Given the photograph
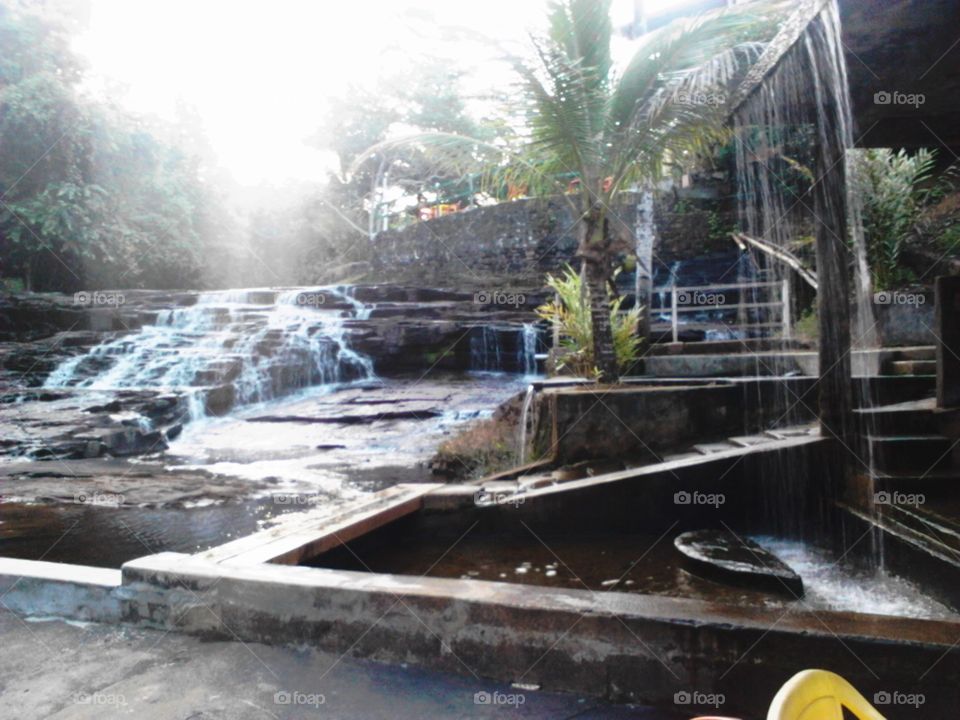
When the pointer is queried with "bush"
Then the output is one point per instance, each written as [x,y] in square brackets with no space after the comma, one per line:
[571,311]
[482,448]
[891,187]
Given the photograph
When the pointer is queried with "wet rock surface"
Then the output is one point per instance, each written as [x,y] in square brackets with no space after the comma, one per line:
[222,477]
[72,424]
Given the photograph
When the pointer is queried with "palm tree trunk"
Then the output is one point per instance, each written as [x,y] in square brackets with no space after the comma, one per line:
[603,354]
[593,251]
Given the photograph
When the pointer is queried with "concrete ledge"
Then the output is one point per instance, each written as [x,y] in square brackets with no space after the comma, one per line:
[615,645]
[75,592]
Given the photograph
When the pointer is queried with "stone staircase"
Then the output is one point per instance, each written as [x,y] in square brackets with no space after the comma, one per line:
[913,451]
[907,449]
[919,360]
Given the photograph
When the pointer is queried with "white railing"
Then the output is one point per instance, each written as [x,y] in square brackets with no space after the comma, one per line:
[700,298]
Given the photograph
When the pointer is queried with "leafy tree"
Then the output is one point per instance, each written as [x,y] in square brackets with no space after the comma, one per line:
[88,194]
[615,131]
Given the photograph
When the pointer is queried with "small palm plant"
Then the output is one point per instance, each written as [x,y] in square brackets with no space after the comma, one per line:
[614,130]
[891,187]
[570,313]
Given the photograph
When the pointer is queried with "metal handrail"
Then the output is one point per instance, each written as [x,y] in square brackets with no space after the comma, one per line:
[783,303]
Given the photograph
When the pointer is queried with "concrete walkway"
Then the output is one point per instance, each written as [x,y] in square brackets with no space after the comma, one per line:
[52,669]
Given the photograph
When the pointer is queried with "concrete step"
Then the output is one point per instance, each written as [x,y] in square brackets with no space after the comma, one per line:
[906,454]
[912,367]
[919,352]
[889,389]
[710,448]
[908,418]
[935,484]
[938,534]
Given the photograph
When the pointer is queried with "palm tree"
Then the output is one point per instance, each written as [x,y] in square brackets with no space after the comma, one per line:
[615,131]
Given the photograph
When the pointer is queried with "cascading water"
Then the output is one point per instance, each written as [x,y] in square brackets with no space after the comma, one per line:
[231,348]
[664,294]
[505,349]
[528,350]
[524,421]
[793,131]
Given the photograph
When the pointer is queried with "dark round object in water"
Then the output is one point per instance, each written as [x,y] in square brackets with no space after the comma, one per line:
[722,556]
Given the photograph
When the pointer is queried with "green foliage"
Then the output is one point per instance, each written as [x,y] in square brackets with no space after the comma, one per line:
[571,312]
[808,326]
[89,196]
[891,185]
[949,239]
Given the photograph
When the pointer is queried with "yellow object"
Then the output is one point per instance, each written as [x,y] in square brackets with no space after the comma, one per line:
[819,695]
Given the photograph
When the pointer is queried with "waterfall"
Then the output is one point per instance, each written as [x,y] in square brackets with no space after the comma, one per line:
[485,350]
[507,348]
[792,134]
[664,294]
[528,350]
[231,348]
[524,420]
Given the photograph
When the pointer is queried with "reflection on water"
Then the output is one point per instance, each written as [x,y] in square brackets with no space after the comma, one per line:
[625,562]
[107,537]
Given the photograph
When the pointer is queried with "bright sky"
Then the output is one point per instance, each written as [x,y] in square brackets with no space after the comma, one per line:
[260,72]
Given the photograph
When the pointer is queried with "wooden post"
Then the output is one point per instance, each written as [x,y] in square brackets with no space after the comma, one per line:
[948,341]
[833,301]
[785,299]
[673,314]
